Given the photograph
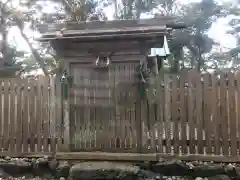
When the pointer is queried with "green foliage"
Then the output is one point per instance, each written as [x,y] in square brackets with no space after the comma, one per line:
[199,17]
[191,46]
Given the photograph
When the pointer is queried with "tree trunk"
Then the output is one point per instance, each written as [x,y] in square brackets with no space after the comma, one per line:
[34,52]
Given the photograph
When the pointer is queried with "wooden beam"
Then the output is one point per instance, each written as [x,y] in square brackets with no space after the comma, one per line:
[94,38]
[131,157]
[103,156]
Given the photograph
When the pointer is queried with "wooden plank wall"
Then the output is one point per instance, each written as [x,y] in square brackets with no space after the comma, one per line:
[28,115]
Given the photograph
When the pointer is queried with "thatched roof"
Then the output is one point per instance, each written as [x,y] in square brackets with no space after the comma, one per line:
[97,30]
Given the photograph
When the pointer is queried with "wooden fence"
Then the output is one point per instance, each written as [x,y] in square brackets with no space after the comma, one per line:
[28,115]
[190,114]
[197,114]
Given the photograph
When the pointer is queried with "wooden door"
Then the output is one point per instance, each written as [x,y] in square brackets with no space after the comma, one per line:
[102,108]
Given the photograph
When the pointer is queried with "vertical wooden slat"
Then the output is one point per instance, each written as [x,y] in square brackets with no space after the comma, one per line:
[138,122]
[117,108]
[32,115]
[125,107]
[207,119]
[223,110]
[238,107]
[111,113]
[174,111]
[215,117]
[133,95]
[232,110]
[77,101]
[87,110]
[25,116]
[129,109]
[53,105]
[144,119]
[12,115]
[2,113]
[133,128]
[58,110]
[97,111]
[6,115]
[121,108]
[39,115]
[94,110]
[66,124]
[106,121]
[90,105]
[183,115]
[167,114]
[151,127]
[191,126]
[19,133]
[45,114]
[199,113]
[159,113]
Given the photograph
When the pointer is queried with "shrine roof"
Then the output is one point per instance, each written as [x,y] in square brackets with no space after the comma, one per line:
[109,29]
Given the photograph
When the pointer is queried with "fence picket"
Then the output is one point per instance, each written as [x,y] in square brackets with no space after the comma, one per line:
[167,114]
[174,112]
[52,104]
[199,113]
[232,115]
[183,113]
[6,115]
[238,108]
[1,113]
[12,115]
[39,115]
[191,127]
[214,107]
[159,114]
[19,133]
[45,115]
[32,115]
[224,125]
[25,119]
[207,118]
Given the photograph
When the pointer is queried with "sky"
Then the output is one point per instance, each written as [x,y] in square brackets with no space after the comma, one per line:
[217,32]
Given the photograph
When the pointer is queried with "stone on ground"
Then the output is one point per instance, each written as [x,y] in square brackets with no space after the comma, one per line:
[108,170]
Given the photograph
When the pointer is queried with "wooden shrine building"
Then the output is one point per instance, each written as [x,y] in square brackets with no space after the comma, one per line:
[100,62]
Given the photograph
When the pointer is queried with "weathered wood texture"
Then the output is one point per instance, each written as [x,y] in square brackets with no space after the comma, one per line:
[191,113]
[28,115]
[99,27]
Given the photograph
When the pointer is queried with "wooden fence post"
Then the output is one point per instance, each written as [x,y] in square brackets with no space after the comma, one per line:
[65,147]
[59,113]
